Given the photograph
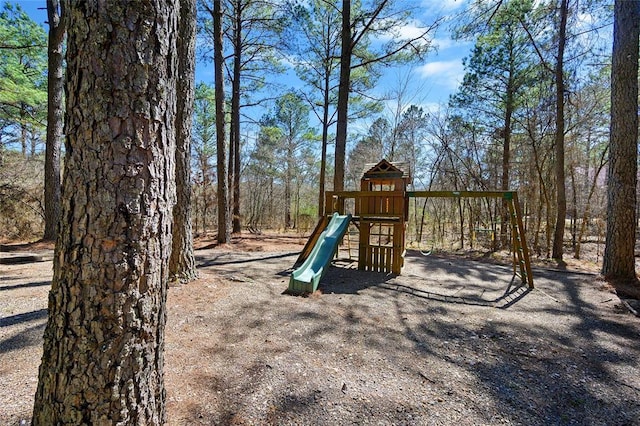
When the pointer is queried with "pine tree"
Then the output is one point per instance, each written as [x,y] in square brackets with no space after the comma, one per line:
[104,340]
[619,259]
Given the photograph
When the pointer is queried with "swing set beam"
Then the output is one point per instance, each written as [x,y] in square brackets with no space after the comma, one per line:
[507,195]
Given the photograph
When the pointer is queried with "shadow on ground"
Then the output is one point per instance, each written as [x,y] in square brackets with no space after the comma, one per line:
[448,342]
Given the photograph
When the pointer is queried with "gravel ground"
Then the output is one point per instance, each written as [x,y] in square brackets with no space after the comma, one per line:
[449,342]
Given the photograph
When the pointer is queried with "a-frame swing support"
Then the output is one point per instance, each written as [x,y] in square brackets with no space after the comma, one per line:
[520,250]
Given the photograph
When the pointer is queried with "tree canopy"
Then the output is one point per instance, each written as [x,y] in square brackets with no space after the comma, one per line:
[23,79]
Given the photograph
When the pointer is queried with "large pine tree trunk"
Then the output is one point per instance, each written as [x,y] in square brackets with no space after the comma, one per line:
[55,117]
[619,261]
[224,234]
[182,265]
[104,340]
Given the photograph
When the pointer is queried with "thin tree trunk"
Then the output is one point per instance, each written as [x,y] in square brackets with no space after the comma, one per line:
[539,210]
[196,208]
[224,231]
[544,200]
[55,117]
[296,224]
[506,148]
[574,208]
[587,211]
[231,156]
[471,224]
[506,156]
[237,219]
[461,219]
[23,132]
[343,98]
[182,265]
[325,142]
[206,199]
[287,188]
[234,144]
[34,144]
[104,340]
[561,195]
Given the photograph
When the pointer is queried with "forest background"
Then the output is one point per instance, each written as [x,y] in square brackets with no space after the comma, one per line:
[490,123]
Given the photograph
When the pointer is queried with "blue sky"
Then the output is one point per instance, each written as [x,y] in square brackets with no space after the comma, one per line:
[439,75]
[428,84]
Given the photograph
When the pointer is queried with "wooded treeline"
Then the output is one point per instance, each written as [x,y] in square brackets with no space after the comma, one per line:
[531,114]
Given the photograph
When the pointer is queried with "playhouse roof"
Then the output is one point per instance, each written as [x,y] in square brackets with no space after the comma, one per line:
[386,169]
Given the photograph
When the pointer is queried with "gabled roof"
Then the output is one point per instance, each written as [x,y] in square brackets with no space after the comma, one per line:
[386,169]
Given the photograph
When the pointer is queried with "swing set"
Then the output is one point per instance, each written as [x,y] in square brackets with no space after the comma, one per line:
[380,212]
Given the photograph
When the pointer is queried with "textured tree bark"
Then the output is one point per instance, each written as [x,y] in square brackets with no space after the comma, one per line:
[586,214]
[224,231]
[561,193]
[234,143]
[55,117]
[287,183]
[505,181]
[104,340]
[325,142]
[343,98]
[619,261]
[237,222]
[182,265]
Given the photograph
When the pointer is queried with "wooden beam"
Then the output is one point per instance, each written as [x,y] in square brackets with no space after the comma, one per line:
[362,194]
[507,195]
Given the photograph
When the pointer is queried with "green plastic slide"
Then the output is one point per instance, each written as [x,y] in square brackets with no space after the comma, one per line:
[306,278]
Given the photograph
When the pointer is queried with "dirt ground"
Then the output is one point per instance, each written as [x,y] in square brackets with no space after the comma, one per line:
[450,341]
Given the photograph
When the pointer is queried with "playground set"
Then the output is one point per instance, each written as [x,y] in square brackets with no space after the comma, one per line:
[380,212]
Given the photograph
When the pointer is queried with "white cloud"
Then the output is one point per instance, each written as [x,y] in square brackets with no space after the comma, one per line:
[412,30]
[450,5]
[442,6]
[446,73]
[444,43]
